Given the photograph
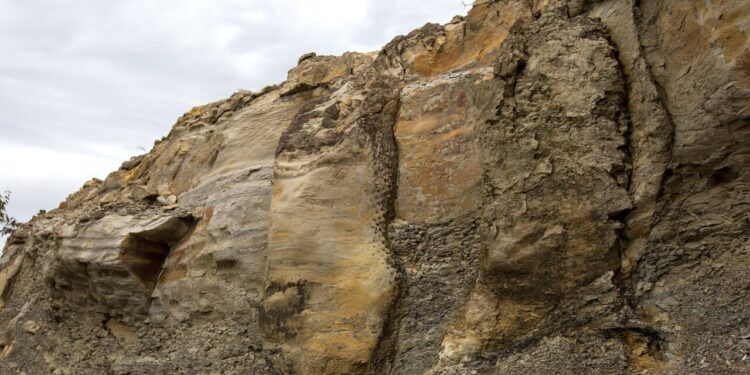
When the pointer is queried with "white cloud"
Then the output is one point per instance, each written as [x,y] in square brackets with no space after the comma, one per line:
[85,83]
[25,162]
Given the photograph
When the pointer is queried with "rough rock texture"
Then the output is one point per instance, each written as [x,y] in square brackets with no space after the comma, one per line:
[540,187]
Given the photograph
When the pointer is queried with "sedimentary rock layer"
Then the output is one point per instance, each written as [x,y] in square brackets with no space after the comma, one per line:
[539,187]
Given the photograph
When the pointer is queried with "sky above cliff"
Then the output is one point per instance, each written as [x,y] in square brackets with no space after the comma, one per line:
[86,84]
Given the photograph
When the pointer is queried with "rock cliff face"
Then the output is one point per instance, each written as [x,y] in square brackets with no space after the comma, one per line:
[540,187]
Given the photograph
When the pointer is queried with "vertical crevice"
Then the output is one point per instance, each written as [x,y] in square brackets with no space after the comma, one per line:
[649,139]
[661,95]
[626,171]
[387,155]
[649,136]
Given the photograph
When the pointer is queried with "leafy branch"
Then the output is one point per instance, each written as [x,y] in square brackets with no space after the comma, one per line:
[7,223]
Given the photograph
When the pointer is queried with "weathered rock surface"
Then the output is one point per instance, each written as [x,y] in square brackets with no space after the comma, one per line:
[540,187]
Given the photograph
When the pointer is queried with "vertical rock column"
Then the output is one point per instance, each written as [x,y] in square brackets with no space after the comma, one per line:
[330,277]
[435,236]
[449,92]
[555,182]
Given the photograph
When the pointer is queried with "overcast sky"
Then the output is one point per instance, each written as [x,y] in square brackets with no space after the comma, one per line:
[85,84]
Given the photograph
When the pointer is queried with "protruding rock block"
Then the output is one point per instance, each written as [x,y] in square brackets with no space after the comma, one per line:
[113,264]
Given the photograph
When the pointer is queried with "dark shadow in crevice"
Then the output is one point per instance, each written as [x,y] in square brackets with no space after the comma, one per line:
[722,176]
[143,253]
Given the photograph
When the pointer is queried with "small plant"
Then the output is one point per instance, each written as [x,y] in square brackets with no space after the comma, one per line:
[7,223]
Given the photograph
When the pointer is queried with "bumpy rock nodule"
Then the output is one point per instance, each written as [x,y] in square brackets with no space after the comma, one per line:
[539,187]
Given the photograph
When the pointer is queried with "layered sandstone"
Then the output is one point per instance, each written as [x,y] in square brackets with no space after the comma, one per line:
[540,187]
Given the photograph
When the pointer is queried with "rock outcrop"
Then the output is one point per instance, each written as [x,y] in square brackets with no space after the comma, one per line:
[540,187]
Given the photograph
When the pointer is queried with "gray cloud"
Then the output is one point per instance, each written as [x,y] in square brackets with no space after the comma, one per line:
[85,83]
